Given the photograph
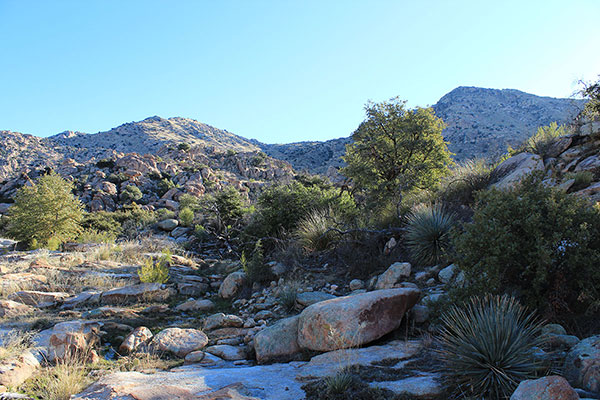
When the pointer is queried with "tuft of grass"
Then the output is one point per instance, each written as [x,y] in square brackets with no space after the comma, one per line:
[428,233]
[315,231]
[13,344]
[61,381]
[487,346]
[466,179]
[286,296]
[340,382]
[582,179]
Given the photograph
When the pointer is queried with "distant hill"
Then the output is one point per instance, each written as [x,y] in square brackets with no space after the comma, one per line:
[481,122]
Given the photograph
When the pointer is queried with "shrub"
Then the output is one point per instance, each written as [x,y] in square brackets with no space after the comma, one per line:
[155,272]
[428,234]
[340,382]
[184,146]
[487,346]
[255,268]
[45,210]
[281,207]
[106,163]
[164,185]
[582,179]
[286,296]
[315,230]
[130,194]
[544,138]
[94,236]
[537,241]
[465,180]
[186,216]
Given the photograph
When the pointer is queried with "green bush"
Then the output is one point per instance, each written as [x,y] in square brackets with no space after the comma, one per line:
[544,138]
[186,216]
[255,268]
[280,208]
[582,179]
[487,347]
[45,210]
[94,236]
[130,194]
[428,234]
[164,185]
[155,272]
[537,241]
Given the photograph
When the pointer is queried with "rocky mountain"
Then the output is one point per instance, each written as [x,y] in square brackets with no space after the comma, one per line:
[483,122]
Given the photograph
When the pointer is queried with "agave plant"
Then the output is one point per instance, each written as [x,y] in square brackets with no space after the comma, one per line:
[487,346]
[428,233]
[315,230]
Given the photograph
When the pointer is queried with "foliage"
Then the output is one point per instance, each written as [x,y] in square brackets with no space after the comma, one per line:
[315,231]
[164,185]
[59,382]
[395,150]
[536,240]
[545,137]
[127,222]
[184,146]
[582,179]
[155,272]
[255,268]
[591,91]
[94,236]
[280,208]
[186,216]
[45,210]
[487,346]
[106,163]
[465,180]
[224,211]
[130,194]
[339,382]
[286,296]
[189,201]
[428,233]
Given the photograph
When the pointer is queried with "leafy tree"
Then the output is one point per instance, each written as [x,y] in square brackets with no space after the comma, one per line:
[591,91]
[186,216]
[395,150]
[45,211]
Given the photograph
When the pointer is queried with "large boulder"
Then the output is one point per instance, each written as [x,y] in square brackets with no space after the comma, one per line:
[278,342]
[393,275]
[354,320]
[232,284]
[168,224]
[516,168]
[73,338]
[135,293]
[547,388]
[582,364]
[306,299]
[179,341]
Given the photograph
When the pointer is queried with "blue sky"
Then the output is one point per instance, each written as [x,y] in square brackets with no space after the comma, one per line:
[281,70]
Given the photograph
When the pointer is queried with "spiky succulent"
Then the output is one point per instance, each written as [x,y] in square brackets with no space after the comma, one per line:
[428,233]
[487,346]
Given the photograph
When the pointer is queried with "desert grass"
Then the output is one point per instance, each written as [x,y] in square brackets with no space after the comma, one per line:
[14,343]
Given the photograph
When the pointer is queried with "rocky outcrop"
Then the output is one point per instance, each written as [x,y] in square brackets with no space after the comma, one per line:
[547,388]
[582,364]
[353,320]
[133,293]
[278,342]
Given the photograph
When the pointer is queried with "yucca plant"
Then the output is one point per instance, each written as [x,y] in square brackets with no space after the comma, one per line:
[465,180]
[428,233]
[487,346]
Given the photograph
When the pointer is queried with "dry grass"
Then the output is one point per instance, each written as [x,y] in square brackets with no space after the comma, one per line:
[59,382]
[14,344]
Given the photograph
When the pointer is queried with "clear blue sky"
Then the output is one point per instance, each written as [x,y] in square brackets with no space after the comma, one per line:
[279,70]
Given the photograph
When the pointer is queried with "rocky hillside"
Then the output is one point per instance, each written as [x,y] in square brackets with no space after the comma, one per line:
[483,122]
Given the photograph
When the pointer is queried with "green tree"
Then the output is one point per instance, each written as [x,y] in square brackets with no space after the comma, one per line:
[591,91]
[395,150]
[45,211]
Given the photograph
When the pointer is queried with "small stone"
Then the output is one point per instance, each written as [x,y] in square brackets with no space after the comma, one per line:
[196,305]
[221,320]
[547,388]
[446,274]
[356,284]
[227,352]
[179,341]
[194,357]
[393,275]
